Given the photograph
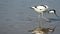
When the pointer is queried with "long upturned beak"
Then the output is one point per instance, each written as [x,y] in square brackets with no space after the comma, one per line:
[30,7]
[53,12]
[56,15]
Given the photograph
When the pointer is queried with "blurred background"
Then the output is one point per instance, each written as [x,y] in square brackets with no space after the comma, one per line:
[17,18]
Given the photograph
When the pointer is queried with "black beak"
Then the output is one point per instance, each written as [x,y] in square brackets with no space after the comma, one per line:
[56,14]
[30,30]
[30,7]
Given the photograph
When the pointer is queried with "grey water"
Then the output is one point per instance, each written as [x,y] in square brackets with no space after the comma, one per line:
[17,18]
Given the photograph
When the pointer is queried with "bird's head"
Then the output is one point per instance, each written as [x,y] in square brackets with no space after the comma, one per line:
[32,7]
[52,11]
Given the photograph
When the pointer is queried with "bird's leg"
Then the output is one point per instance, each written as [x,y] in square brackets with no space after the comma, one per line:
[45,18]
[42,15]
[39,16]
[39,20]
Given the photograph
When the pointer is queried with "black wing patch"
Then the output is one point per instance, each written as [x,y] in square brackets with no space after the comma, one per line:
[43,5]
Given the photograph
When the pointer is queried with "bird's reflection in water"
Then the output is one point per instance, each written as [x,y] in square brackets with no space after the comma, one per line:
[41,30]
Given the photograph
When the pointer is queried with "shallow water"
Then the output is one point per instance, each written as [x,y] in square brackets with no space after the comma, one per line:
[17,18]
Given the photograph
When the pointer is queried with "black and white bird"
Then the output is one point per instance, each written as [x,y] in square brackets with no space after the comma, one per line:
[53,11]
[40,9]
[44,9]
